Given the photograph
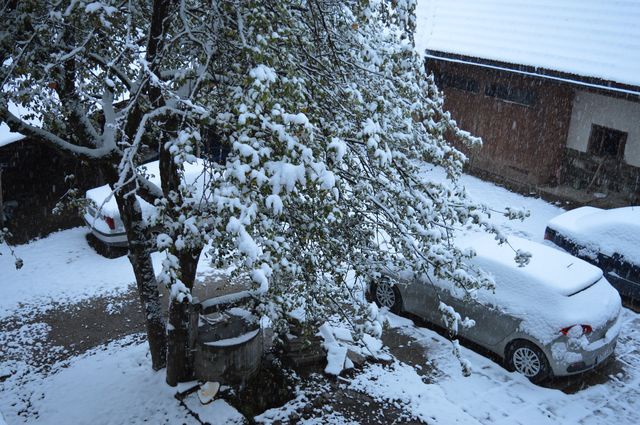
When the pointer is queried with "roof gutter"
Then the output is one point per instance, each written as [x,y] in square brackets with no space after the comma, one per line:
[534,74]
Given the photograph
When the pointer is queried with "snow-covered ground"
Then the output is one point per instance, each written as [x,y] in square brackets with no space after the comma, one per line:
[115,384]
[498,198]
[63,268]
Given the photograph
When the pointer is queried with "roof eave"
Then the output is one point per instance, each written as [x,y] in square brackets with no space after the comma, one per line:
[536,72]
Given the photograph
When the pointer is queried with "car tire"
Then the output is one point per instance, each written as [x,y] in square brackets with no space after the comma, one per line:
[103,249]
[528,359]
[387,295]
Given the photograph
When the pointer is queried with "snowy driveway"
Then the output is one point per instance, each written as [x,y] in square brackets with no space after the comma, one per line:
[492,395]
[111,384]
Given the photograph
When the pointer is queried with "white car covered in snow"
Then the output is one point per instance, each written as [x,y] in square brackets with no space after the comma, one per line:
[557,315]
[102,215]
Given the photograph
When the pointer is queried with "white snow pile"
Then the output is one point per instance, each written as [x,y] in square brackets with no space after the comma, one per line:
[400,384]
[340,344]
[338,341]
[584,37]
[615,231]
[216,412]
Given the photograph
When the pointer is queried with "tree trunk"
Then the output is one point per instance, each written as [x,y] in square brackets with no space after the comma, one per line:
[188,266]
[179,359]
[140,258]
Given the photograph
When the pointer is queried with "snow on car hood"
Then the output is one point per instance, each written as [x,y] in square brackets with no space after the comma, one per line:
[606,231]
[193,175]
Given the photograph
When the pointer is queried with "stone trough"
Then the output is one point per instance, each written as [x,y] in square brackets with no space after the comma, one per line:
[227,341]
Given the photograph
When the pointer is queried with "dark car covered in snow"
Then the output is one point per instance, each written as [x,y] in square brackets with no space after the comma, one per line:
[609,239]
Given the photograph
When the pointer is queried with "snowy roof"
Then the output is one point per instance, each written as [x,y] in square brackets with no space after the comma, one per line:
[589,38]
[7,136]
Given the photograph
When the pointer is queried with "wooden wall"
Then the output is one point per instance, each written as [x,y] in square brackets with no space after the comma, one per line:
[522,120]
[33,181]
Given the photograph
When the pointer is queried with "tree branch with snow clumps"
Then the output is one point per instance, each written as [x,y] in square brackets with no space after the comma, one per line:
[323,106]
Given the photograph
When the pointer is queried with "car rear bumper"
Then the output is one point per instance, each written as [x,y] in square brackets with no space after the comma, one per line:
[592,360]
[111,238]
[569,362]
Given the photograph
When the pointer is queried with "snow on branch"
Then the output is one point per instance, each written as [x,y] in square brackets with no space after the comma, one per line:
[18,125]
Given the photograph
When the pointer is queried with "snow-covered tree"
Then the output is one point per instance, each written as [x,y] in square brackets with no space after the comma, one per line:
[324,105]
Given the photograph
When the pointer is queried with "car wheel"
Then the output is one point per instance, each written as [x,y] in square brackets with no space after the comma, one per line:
[103,249]
[526,358]
[387,295]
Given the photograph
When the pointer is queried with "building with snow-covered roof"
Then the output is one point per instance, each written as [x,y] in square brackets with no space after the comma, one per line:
[553,88]
[33,179]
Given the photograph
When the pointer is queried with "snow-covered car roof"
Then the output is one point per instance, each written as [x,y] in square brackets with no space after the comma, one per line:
[549,269]
[606,231]
[590,38]
[553,291]
[193,174]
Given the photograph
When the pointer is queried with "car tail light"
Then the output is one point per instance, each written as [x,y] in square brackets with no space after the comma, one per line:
[586,329]
[110,222]
[547,234]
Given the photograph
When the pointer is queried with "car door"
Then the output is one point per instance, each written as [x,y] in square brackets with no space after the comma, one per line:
[492,323]
[420,298]
[622,274]
[449,294]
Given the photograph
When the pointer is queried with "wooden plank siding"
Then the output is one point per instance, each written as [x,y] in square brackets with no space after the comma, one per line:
[522,120]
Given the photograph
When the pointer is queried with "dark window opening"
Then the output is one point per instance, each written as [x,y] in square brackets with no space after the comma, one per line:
[607,142]
[510,94]
[457,82]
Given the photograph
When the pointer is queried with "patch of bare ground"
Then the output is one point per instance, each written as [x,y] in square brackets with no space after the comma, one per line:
[67,330]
